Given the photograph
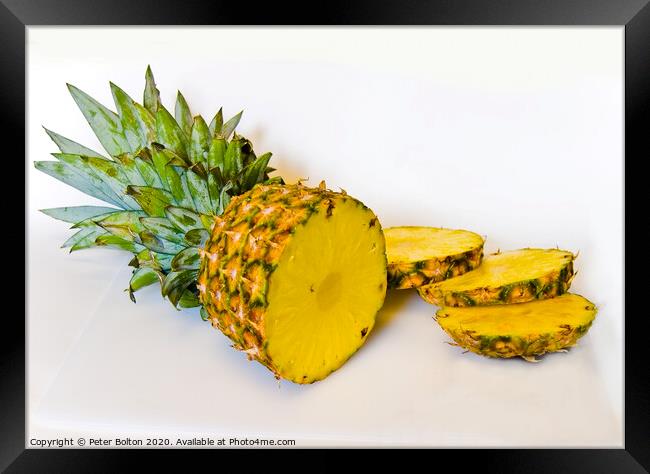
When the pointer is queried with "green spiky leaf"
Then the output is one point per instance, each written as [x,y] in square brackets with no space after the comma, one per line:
[159,160]
[148,120]
[232,161]
[113,241]
[254,173]
[125,224]
[153,201]
[68,146]
[111,174]
[198,188]
[135,129]
[175,185]
[93,176]
[184,219]
[229,127]
[197,237]
[187,259]
[151,97]
[156,261]
[188,200]
[130,170]
[75,214]
[219,180]
[216,123]
[176,283]
[183,114]
[84,238]
[224,198]
[189,300]
[199,141]
[214,190]
[216,154]
[72,177]
[104,122]
[141,278]
[169,134]
[148,173]
[158,244]
[164,229]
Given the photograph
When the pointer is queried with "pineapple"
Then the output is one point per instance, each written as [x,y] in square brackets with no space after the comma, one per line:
[516,276]
[294,276]
[526,330]
[418,256]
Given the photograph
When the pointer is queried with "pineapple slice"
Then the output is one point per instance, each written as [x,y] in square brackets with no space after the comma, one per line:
[526,330]
[516,276]
[294,276]
[419,256]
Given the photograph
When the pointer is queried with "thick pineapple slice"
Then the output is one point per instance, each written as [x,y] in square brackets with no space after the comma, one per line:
[526,330]
[295,277]
[516,276]
[419,256]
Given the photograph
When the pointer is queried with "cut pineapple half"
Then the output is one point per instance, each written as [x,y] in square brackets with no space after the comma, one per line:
[325,294]
[295,276]
[516,276]
[526,329]
[419,256]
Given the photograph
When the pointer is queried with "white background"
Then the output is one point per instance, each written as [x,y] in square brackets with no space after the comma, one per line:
[515,133]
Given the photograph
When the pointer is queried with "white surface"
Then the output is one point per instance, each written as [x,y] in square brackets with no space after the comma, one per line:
[514,133]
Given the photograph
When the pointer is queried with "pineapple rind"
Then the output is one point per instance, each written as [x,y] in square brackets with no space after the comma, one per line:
[402,276]
[533,340]
[549,285]
[243,252]
[447,253]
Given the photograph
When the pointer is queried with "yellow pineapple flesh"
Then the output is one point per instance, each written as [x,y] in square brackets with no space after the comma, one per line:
[418,256]
[294,276]
[516,276]
[526,329]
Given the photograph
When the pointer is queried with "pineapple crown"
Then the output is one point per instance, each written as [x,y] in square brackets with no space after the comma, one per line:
[167,178]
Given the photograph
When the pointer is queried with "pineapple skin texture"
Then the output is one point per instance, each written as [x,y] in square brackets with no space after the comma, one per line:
[507,346]
[246,243]
[549,286]
[403,276]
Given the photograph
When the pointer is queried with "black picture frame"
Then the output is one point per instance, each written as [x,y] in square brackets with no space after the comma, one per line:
[16,15]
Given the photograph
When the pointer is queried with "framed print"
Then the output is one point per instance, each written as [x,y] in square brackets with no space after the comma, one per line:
[397,228]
